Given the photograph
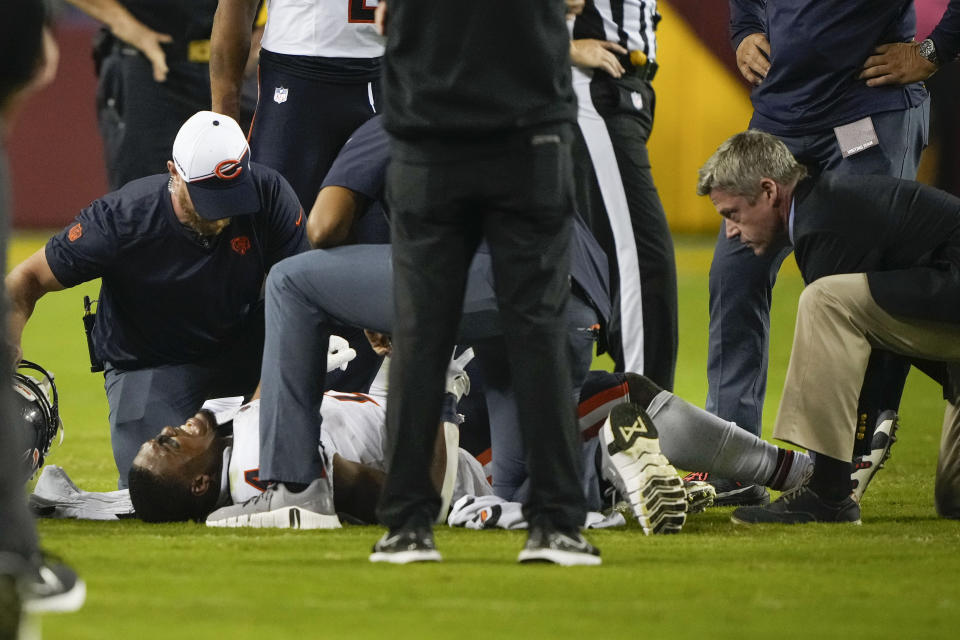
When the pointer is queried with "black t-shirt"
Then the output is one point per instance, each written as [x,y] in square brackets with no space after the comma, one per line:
[476,67]
[904,235]
[167,295]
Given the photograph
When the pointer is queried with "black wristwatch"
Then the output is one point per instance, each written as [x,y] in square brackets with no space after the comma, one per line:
[928,51]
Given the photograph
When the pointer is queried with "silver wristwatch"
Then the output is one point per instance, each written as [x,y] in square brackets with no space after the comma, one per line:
[928,52]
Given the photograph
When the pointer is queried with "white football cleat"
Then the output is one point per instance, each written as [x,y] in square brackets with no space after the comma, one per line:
[633,463]
[865,467]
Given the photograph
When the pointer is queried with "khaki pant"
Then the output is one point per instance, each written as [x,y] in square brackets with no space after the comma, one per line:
[838,324]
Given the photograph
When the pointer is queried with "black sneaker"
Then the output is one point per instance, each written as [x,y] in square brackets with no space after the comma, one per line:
[401,546]
[798,507]
[51,586]
[9,606]
[731,493]
[566,549]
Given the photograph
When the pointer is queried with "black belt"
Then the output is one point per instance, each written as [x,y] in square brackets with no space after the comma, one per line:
[644,71]
[191,51]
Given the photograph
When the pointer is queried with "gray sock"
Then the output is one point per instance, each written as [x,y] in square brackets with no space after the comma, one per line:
[694,439]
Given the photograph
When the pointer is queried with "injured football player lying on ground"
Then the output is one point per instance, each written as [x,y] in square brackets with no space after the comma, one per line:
[189,471]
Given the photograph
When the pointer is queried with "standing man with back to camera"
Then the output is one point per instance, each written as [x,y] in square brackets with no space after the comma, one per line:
[804,59]
[480,112]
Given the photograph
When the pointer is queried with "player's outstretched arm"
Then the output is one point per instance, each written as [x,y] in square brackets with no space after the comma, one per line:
[229,52]
[28,282]
[124,26]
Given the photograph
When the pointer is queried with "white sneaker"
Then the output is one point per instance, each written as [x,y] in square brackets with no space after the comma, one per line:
[865,467]
[279,508]
[633,463]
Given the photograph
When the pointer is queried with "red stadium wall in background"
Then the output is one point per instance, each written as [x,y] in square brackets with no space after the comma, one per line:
[55,150]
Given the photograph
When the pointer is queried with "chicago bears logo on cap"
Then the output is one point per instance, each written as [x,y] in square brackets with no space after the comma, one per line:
[228,169]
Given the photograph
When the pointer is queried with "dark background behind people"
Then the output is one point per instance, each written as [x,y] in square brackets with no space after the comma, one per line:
[698,72]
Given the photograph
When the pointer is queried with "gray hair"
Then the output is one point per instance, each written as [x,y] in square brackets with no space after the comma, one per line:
[738,165]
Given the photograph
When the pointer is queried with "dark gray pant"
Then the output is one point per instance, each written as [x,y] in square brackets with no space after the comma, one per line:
[741,283]
[310,294]
[18,538]
[144,401]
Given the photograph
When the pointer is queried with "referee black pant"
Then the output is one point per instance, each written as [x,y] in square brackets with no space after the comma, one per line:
[446,196]
[617,196]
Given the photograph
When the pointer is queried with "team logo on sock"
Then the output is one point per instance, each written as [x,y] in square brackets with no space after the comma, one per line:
[280,95]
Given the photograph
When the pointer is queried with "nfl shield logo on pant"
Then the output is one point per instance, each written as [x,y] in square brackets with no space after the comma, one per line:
[280,95]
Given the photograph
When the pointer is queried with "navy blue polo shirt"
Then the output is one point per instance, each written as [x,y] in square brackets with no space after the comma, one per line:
[167,295]
[817,50]
[361,166]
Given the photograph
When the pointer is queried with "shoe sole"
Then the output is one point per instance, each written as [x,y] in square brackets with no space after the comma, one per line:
[557,556]
[65,602]
[735,498]
[284,518]
[405,557]
[747,523]
[700,496]
[861,487]
[641,473]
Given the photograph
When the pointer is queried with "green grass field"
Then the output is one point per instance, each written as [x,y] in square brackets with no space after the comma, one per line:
[890,578]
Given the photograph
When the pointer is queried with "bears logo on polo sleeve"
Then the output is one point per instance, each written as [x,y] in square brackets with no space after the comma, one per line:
[75,232]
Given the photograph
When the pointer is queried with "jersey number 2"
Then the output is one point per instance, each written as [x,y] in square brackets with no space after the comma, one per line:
[361,10]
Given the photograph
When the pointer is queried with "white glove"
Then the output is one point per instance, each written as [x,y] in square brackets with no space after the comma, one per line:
[339,354]
[458,382]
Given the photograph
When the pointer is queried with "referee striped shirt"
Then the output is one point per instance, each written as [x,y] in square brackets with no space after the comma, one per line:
[630,23]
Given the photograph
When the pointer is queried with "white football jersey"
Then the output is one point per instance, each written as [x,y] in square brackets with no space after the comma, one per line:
[354,425]
[326,28]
